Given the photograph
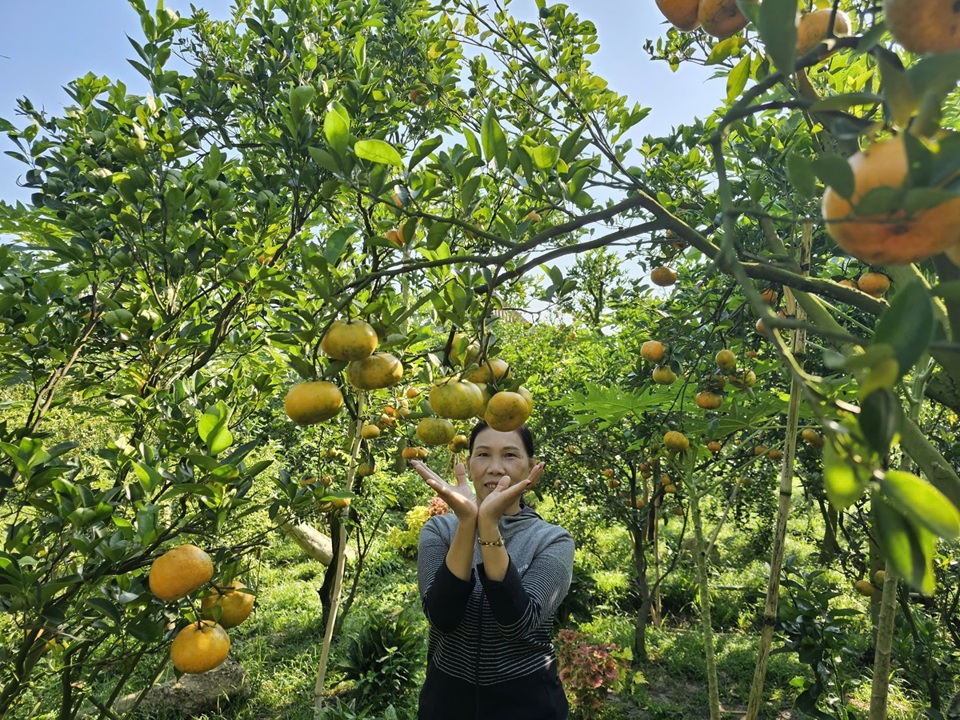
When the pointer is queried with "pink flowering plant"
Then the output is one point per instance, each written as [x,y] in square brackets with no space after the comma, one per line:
[588,672]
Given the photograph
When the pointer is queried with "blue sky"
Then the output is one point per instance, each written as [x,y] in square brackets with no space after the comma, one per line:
[41,53]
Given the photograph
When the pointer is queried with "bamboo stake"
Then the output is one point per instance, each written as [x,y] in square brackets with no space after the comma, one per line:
[880,689]
[786,491]
[340,560]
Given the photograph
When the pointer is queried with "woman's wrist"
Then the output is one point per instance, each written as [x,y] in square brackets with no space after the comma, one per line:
[487,531]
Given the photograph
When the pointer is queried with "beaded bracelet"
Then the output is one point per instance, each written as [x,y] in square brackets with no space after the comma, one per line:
[493,543]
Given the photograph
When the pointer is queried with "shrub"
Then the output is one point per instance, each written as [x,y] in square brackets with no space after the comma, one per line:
[588,672]
[382,657]
[405,541]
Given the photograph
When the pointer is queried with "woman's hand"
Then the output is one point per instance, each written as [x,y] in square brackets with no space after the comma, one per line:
[459,497]
[504,495]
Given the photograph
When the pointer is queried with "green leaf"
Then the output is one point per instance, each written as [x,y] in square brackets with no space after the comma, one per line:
[324,159]
[908,548]
[360,50]
[834,171]
[423,150]
[883,372]
[378,151]
[149,478]
[220,440]
[437,234]
[336,244]
[212,428]
[842,102]
[881,417]
[897,90]
[105,608]
[924,198]
[737,79]
[778,31]
[934,76]
[843,481]
[336,128]
[544,156]
[724,49]
[300,98]
[907,325]
[493,140]
[922,503]
[801,176]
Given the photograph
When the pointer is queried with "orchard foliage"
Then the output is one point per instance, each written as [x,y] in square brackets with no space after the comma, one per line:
[427,168]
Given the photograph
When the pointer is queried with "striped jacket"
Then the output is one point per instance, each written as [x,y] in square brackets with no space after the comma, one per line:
[489,632]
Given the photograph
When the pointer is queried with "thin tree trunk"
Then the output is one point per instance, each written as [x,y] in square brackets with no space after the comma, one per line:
[705,615]
[340,563]
[783,507]
[829,546]
[881,660]
[888,602]
[640,535]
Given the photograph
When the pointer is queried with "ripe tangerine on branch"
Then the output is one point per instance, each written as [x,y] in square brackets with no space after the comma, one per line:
[675,441]
[924,26]
[812,438]
[726,360]
[812,29]
[235,605]
[875,284]
[380,370]
[663,375]
[456,399]
[663,276]
[491,370]
[180,571]
[682,14]
[722,18]
[893,237]
[311,402]
[350,340]
[506,411]
[709,400]
[199,647]
[435,431]
[652,351]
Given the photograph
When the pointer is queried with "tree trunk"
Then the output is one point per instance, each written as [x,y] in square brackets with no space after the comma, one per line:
[705,616]
[339,563]
[313,542]
[881,659]
[643,585]
[829,546]
[783,507]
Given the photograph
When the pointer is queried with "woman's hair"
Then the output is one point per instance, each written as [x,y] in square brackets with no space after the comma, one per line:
[525,435]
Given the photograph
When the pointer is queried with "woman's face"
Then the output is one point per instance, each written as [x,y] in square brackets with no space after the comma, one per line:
[494,455]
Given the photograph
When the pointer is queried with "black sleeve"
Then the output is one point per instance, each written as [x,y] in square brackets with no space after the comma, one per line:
[508,599]
[443,594]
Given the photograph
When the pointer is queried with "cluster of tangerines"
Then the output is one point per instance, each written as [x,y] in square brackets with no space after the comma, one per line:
[895,236]
[710,395]
[473,392]
[204,644]
[892,236]
[723,19]
[808,435]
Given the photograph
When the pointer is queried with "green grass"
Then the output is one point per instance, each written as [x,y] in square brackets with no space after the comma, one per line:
[279,646]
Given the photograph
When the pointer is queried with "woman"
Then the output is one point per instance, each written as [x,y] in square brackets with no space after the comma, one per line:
[492,574]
